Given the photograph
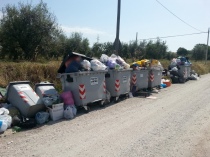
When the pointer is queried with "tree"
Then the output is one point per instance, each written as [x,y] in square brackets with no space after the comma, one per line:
[157,50]
[199,51]
[76,43]
[182,52]
[25,29]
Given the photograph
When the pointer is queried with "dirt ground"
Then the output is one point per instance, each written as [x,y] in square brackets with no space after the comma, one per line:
[175,124]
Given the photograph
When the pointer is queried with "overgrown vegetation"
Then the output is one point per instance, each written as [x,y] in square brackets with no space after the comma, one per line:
[37,72]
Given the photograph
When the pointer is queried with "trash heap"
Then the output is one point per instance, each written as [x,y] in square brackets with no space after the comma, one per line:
[177,75]
[25,110]
[114,62]
[76,63]
[146,64]
[165,83]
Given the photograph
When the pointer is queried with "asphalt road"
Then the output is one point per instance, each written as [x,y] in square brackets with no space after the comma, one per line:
[175,124]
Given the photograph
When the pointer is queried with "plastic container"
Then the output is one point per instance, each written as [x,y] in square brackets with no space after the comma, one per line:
[155,76]
[56,112]
[118,82]
[21,95]
[139,78]
[86,87]
[168,84]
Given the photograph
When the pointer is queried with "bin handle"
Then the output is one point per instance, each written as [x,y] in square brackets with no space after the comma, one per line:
[107,75]
[69,79]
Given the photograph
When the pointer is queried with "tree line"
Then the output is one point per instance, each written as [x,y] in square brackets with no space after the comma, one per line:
[29,32]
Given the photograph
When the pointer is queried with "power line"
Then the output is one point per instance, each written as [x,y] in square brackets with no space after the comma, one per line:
[172,36]
[178,17]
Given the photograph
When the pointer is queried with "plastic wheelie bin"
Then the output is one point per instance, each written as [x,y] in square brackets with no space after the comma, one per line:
[154,78]
[139,78]
[86,87]
[21,95]
[45,89]
[118,82]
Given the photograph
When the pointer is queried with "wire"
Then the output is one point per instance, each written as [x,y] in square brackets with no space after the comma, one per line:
[178,17]
[172,36]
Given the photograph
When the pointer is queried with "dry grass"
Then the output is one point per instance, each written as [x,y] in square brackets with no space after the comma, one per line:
[37,72]
[34,72]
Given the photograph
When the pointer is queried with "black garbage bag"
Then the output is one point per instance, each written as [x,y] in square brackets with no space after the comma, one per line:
[22,122]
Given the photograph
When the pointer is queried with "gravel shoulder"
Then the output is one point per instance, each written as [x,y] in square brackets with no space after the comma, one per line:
[175,124]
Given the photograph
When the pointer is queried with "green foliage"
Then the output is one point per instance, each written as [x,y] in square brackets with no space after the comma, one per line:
[182,52]
[199,51]
[27,30]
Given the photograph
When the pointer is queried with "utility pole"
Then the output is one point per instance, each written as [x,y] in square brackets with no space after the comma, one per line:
[136,38]
[207,47]
[117,40]
[97,38]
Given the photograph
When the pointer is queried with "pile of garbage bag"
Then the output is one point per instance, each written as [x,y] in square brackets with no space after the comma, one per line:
[145,63]
[77,64]
[114,62]
[179,61]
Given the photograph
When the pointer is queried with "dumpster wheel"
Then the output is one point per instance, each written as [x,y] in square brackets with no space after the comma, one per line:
[102,103]
[86,109]
[116,99]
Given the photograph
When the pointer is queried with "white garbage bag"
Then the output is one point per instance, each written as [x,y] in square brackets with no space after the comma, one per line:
[3,126]
[86,65]
[4,111]
[96,65]
[104,58]
[7,119]
[68,113]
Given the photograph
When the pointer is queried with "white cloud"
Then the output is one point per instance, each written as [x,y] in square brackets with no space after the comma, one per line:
[83,30]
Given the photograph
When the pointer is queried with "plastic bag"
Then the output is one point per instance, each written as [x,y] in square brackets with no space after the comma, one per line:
[7,119]
[74,110]
[4,111]
[104,58]
[111,64]
[3,126]
[50,99]
[67,98]
[174,69]
[96,65]
[86,65]
[68,113]
[42,117]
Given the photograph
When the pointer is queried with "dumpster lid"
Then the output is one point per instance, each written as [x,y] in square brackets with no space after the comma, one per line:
[43,84]
[15,83]
[72,54]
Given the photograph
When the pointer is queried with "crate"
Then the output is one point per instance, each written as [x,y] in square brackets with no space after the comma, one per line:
[56,112]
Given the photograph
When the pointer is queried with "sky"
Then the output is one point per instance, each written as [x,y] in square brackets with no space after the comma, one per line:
[95,18]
